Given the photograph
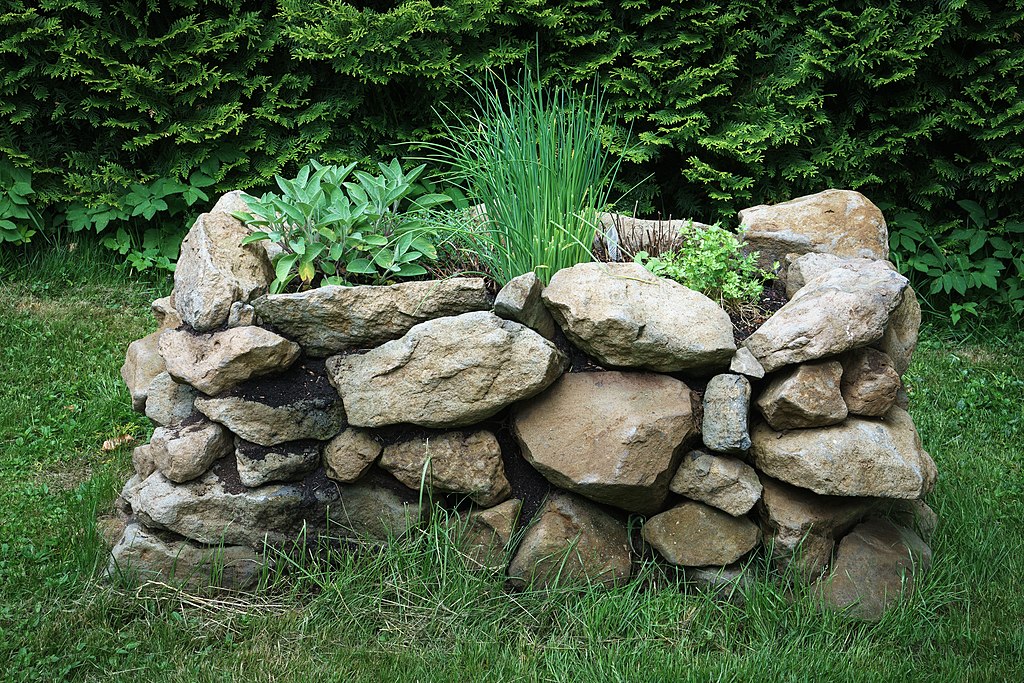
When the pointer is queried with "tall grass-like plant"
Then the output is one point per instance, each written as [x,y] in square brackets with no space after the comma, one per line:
[532,155]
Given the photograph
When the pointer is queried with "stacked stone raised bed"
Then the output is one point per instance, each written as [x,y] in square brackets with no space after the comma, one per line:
[562,412]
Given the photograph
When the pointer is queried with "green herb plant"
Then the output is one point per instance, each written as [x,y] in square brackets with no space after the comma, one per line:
[371,230]
[711,260]
[532,156]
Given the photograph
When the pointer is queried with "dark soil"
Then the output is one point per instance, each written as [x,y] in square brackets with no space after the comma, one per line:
[772,299]
[305,380]
[226,470]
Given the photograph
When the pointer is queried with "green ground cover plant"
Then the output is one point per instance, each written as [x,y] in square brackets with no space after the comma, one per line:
[710,260]
[412,612]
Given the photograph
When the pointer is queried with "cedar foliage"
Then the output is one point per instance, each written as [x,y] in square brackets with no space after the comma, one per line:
[727,104]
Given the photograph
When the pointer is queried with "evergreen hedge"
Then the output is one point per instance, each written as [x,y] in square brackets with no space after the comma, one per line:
[727,104]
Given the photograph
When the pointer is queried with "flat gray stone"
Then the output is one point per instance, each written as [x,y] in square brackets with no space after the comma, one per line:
[726,406]
[318,418]
[448,372]
[726,483]
[331,319]
[259,465]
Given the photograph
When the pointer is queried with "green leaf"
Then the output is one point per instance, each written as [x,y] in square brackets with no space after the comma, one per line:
[284,265]
[255,237]
[361,266]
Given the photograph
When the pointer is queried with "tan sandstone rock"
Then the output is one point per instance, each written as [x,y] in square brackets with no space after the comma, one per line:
[693,534]
[839,222]
[520,300]
[467,463]
[142,364]
[808,395]
[184,453]
[572,541]
[448,372]
[624,316]
[614,437]
[726,483]
[870,382]
[859,457]
[349,455]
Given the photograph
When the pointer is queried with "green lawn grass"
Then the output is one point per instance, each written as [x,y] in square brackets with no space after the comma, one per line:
[411,613]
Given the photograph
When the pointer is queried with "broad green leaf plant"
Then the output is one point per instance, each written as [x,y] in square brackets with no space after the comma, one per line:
[333,230]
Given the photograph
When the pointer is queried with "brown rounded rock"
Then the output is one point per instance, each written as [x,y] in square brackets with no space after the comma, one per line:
[693,534]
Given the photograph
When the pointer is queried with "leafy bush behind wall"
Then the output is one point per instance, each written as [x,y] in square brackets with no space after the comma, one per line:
[727,104]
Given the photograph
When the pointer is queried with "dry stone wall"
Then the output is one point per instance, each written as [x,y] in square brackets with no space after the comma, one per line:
[551,421]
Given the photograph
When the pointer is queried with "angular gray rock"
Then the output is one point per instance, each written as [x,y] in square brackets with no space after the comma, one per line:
[332,319]
[448,372]
[467,463]
[483,535]
[877,564]
[167,402]
[572,541]
[839,222]
[520,300]
[142,460]
[842,309]
[693,534]
[726,483]
[805,268]
[624,316]
[870,382]
[144,554]
[350,454]
[213,511]
[900,338]
[744,363]
[860,457]
[216,362]
[214,271]
[614,437]
[726,406]
[241,315]
[259,465]
[230,202]
[317,418]
[800,527]
[808,395]
[165,313]
[184,453]
[142,363]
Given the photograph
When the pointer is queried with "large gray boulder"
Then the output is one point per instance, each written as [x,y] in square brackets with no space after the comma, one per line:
[859,457]
[572,541]
[805,268]
[614,437]
[466,463]
[520,300]
[800,527]
[693,534]
[184,453]
[142,364]
[877,564]
[268,424]
[375,509]
[726,407]
[143,554]
[808,395]
[216,362]
[332,319]
[900,338]
[448,372]
[728,484]
[624,316]
[214,271]
[839,222]
[843,309]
